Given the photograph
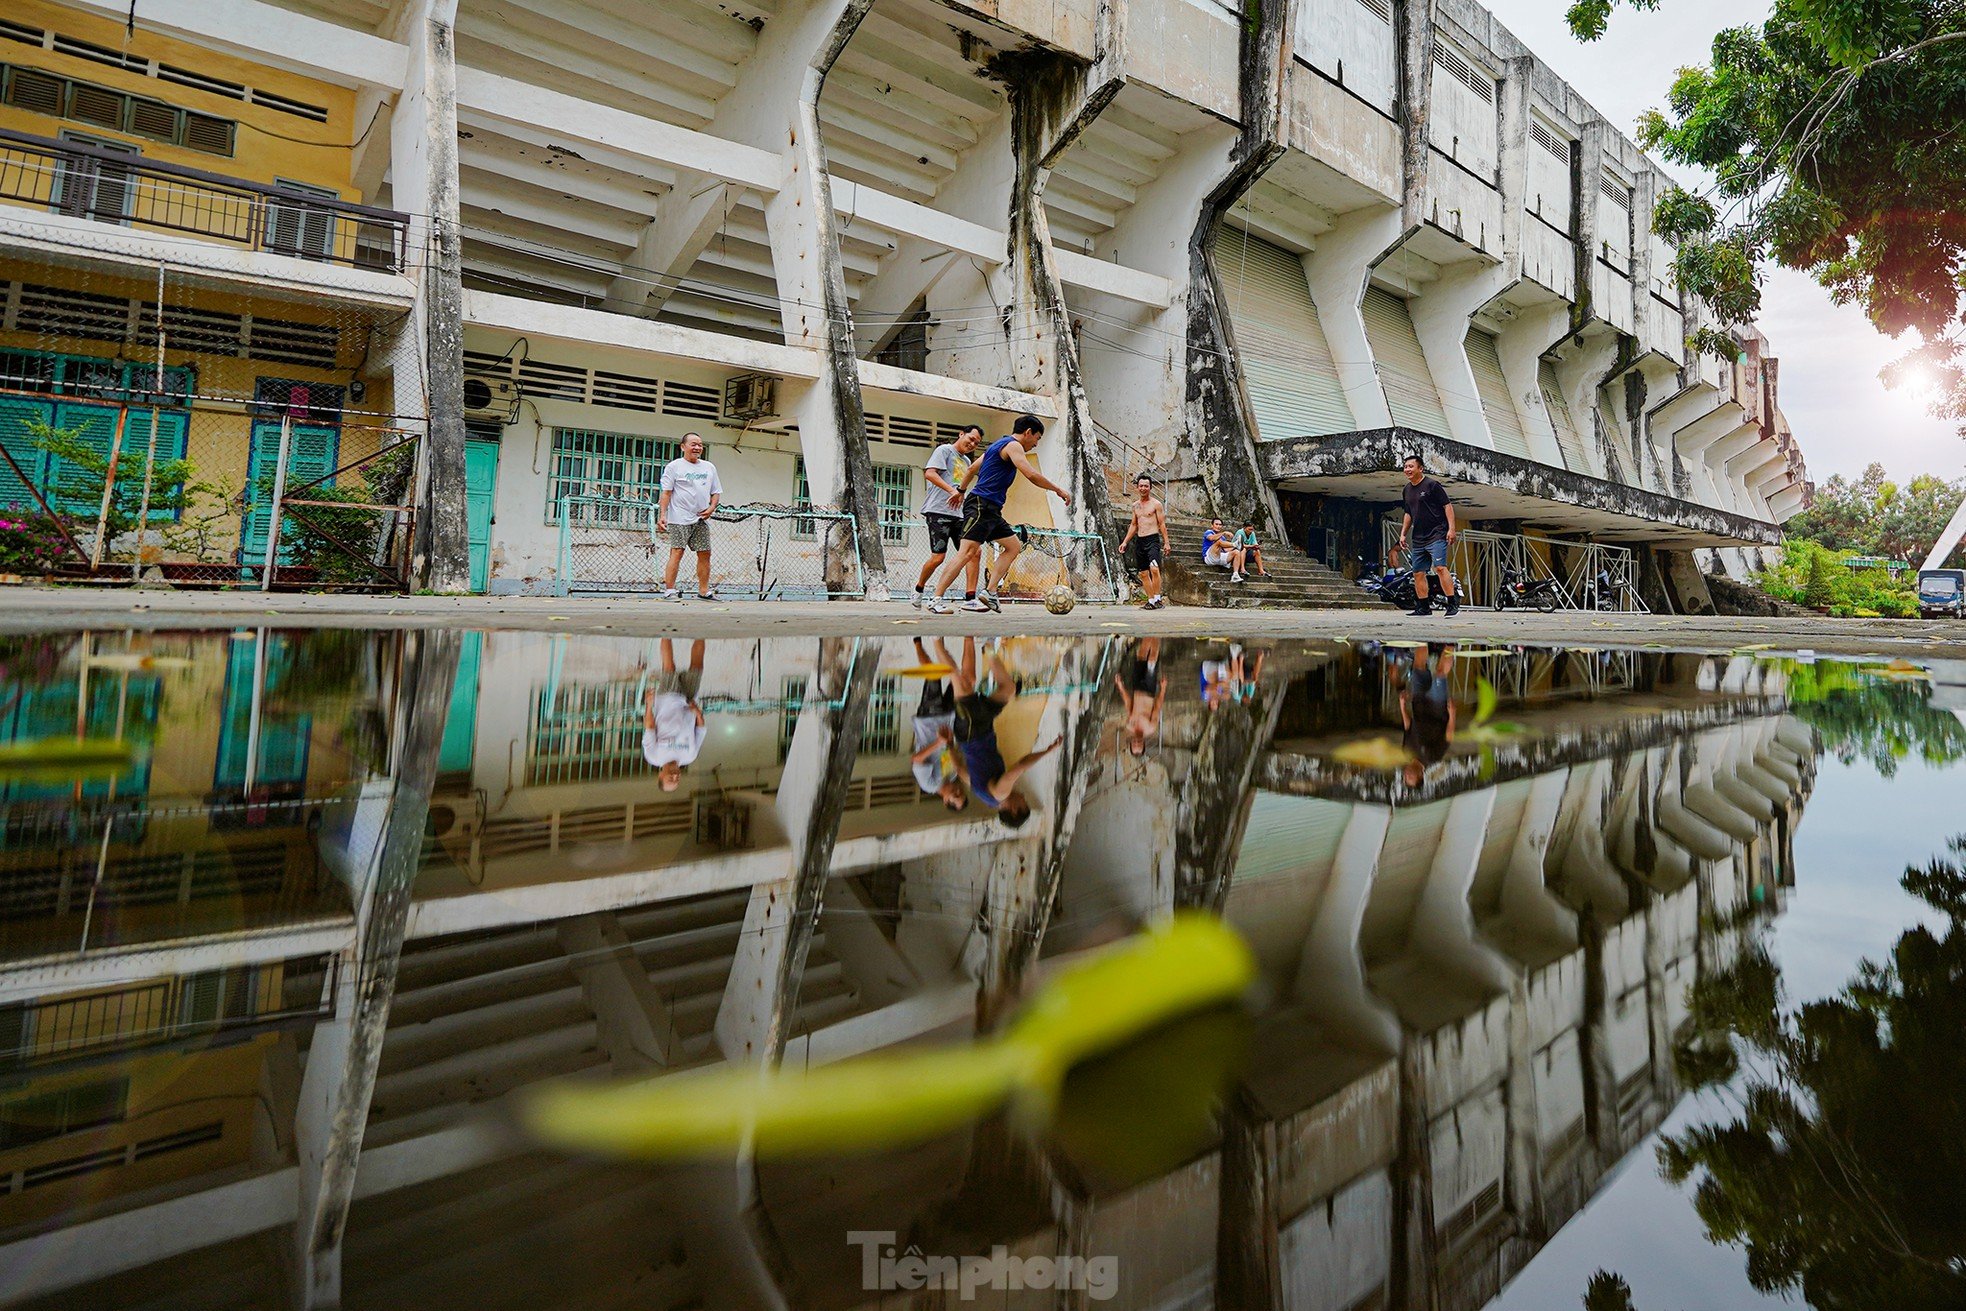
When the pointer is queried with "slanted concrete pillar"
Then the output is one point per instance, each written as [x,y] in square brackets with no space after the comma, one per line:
[1441,315]
[332,1107]
[761,995]
[1330,981]
[797,49]
[1578,374]
[1787,502]
[423,181]
[1337,271]
[1221,425]
[1213,804]
[1052,103]
[1521,346]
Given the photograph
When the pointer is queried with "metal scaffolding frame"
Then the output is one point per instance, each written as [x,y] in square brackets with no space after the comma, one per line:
[1480,559]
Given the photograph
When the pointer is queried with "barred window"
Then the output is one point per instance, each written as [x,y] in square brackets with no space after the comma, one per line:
[894,482]
[608,466]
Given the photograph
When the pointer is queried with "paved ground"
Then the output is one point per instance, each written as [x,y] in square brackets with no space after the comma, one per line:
[26,608]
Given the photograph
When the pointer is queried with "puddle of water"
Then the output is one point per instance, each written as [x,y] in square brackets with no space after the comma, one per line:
[290,957]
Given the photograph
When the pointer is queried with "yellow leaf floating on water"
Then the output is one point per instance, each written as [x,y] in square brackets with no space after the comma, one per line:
[896,1098]
[1373,753]
[1898,671]
[63,759]
[921,671]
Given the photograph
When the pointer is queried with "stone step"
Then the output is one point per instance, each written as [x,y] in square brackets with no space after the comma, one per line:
[486,1072]
[443,1037]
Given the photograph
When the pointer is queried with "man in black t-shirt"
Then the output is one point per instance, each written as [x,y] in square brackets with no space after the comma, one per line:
[1429,521]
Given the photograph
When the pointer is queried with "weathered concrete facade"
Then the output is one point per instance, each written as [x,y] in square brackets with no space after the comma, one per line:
[1184,233]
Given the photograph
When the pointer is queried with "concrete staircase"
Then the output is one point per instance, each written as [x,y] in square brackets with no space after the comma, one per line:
[478,1015]
[1298,583]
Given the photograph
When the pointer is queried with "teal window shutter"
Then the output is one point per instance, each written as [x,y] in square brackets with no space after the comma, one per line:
[15,435]
[75,490]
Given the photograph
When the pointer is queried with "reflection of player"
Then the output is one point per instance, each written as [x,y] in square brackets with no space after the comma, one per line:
[672,723]
[1142,691]
[1427,710]
[1230,679]
[993,782]
[937,765]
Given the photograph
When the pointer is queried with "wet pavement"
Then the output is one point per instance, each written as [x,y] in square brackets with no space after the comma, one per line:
[1546,962]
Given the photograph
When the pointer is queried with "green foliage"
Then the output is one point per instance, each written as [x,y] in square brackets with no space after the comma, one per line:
[1839,1174]
[30,543]
[1607,1292]
[1878,720]
[1876,516]
[84,470]
[1831,132]
[340,544]
[1813,575]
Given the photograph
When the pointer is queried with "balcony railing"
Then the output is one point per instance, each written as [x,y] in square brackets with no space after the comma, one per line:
[232,1004]
[66,177]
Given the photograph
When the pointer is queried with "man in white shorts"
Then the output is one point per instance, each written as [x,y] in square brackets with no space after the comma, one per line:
[672,723]
[690,493]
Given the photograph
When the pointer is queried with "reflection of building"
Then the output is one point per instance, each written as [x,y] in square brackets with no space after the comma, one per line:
[1472,989]
[831,233]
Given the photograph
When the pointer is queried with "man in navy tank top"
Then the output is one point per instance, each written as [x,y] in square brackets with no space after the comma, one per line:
[983,519]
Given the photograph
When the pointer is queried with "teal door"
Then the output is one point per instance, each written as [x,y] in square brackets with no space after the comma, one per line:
[480,482]
[311,455]
[461,725]
[283,737]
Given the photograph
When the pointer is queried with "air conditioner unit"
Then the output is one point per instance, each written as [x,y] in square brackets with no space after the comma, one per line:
[490,398]
[750,396]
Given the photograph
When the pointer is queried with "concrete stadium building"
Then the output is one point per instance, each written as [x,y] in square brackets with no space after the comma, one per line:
[1262,255]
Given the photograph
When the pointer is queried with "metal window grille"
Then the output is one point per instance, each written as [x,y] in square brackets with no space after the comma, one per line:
[598,467]
[894,482]
[880,735]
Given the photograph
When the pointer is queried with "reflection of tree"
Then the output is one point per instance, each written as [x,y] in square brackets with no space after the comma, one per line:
[1867,715]
[1841,1175]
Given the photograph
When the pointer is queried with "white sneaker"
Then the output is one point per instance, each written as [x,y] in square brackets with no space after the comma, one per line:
[1235,578]
[669,594]
[919,599]
[978,606]
[940,607]
[989,602]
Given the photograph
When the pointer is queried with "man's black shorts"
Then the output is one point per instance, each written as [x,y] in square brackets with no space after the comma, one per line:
[1146,552]
[983,521]
[942,530]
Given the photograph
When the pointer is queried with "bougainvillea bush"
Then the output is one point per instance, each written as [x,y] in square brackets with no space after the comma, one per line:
[29,541]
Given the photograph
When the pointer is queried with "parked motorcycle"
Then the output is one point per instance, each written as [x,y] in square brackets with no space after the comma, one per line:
[1395,586]
[1517,590]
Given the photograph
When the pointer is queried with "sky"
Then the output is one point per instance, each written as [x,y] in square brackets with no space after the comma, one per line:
[1841,412]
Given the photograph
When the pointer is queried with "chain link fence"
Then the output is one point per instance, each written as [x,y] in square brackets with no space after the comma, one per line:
[767,552]
[1051,556]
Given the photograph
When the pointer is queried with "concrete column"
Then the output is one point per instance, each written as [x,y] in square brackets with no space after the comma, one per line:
[1578,374]
[1521,346]
[423,181]
[1212,806]
[1052,103]
[798,48]
[1443,928]
[1331,972]
[332,1108]
[760,998]
[1413,33]
[1221,425]
[1441,316]
[1020,894]
[1337,272]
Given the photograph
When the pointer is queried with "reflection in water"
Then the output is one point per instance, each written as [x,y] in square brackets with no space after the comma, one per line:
[265,991]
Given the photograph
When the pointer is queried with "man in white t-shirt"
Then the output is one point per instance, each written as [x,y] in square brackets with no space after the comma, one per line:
[691,491]
[672,723]
[936,761]
[946,474]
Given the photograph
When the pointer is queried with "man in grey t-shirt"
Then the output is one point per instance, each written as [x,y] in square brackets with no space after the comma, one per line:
[947,472]
[691,491]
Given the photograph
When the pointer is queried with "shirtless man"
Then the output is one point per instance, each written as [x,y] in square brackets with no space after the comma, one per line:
[1148,532]
[1142,690]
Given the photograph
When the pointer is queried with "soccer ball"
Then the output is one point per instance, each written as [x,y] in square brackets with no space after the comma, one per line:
[1060,600]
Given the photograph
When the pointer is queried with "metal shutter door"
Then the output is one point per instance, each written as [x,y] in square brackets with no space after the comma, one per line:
[1567,437]
[1504,422]
[1290,837]
[1286,362]
[18,438]
[1403,372]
